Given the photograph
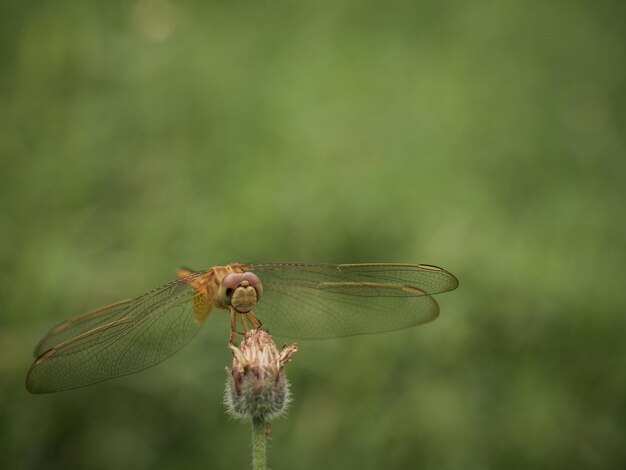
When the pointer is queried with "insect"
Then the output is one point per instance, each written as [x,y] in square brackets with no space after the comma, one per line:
[293,300]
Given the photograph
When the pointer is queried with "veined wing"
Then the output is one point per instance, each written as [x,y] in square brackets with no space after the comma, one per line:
[119,339]
[80,324]
[329,300]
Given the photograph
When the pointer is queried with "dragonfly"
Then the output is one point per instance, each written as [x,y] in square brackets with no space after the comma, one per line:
[295,300]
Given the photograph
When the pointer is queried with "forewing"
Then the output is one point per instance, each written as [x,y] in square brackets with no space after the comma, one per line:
[118,340]
[326,301]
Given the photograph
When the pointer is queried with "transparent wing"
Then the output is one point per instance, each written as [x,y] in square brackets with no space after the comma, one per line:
[119,339]
[327,300]
[80,324]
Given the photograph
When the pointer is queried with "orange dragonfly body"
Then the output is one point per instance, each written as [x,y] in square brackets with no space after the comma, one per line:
[293,300]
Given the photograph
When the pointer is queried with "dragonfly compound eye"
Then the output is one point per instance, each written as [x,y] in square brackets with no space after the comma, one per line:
[241,291]
[255,282]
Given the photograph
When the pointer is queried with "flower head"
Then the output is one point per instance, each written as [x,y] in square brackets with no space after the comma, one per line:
[257,387]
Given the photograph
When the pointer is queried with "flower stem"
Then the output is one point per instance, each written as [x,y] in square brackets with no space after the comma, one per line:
[258,443]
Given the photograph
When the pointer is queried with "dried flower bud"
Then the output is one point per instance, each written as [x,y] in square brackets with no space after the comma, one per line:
[257,387]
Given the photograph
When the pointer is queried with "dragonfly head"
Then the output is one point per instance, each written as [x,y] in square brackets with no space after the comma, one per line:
[240,291]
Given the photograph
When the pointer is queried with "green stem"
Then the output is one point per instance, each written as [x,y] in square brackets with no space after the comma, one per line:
[258,443]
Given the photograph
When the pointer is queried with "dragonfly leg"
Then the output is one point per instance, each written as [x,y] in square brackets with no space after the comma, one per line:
[254,320]
[255,323]
[243,323]
[233,326]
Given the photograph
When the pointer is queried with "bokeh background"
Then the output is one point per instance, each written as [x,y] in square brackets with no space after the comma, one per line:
[485,137]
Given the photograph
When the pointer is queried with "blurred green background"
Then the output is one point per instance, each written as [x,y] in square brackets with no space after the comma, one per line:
[484,137]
